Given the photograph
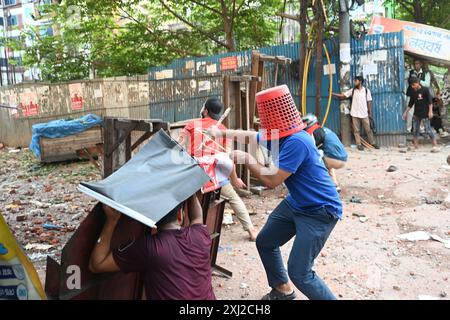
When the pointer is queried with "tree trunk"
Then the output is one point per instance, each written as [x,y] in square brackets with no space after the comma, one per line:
[303,13]
[227,28]
[418,12]
[319,69]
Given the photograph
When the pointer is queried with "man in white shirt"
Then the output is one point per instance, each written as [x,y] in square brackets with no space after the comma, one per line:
[360,110]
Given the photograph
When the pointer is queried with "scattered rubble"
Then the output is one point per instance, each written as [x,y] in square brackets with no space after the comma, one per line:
[392,169]
[367,259]
[423,236]
[355,199]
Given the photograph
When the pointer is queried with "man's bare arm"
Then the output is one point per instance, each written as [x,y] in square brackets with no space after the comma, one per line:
[369,108]
[270,177]
[101,257]
[195,210]
[339,95]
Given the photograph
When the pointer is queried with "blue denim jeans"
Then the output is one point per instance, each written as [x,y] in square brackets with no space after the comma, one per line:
[311,231]
[426,124]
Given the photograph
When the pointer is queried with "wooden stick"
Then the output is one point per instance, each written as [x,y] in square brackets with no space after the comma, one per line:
[219,122]
[207,138]
[366,144]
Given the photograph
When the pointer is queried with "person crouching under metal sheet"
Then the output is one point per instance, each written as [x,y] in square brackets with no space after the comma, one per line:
[175,262]
[334,153]
[311,209]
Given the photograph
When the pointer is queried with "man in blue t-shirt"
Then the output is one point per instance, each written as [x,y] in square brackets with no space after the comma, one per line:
[334,153]
[309,212]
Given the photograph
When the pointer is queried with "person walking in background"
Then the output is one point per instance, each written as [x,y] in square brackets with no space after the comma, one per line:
[423,111]
[406,95]
[360,110]
[420,73]
[434,85]
[445,95]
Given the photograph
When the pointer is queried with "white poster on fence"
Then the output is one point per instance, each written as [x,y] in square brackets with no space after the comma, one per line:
[204,85]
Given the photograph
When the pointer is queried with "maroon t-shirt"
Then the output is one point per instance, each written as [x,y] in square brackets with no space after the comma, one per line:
[176,263]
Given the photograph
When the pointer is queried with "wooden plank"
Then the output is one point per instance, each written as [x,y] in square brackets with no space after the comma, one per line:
[60,149]
[247,127]
[237,103]
[141,139]
[139,125]
[244,78]
[253,85]
[124,134]
[142,124]
[226,97]
[128,148]
[275,59]
[108,140]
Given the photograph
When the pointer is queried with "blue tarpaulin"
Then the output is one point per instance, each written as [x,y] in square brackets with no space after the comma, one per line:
[61,129]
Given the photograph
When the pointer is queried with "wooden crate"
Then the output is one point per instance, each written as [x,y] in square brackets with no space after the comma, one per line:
[61,149]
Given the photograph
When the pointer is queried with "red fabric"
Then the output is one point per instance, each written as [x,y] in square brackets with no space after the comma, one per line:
[313,128]
[194,129]
[176,263]
[208,163]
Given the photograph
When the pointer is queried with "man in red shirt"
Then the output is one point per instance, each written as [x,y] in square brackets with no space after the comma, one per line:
[198,145]
[175,262]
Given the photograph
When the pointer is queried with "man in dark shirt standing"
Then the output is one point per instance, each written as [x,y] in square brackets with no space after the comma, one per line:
[175,262]
[423,111]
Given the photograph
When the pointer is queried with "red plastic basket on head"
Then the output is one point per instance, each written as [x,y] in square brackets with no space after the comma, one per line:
[278,114]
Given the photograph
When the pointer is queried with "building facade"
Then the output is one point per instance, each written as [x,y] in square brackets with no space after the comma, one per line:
[15,16]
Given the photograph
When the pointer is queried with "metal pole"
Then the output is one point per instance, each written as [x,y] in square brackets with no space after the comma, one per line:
[344,69]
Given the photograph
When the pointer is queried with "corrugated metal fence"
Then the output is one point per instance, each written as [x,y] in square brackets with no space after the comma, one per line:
[119,97]
[182,87]
[176,92]
[380,59]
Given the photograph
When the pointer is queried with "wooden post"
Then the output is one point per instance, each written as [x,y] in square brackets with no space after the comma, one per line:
[319,68]
[108,137]
[247,126]
[303,44]
[226,97]
[253,85]
[236,98]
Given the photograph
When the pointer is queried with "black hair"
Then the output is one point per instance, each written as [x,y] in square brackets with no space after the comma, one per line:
[319,137]
[214,107]
[170,217]
[360,78]
[418,60]
[413,80]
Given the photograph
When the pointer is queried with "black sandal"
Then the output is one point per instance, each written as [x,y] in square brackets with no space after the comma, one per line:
[277,295]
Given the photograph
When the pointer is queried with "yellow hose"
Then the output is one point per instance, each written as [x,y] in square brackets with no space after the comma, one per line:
[305,78]
[330,95]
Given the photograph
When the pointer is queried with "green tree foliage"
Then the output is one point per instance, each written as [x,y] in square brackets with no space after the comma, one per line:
[125,37]
[432,12]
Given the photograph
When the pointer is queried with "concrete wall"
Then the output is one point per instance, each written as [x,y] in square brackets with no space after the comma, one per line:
[125,97]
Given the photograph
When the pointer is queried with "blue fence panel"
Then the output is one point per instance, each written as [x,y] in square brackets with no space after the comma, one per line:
[183,86]
[180,85]
[285,77]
